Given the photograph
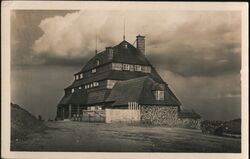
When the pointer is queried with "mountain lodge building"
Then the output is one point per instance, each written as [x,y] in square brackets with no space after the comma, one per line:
[121,77]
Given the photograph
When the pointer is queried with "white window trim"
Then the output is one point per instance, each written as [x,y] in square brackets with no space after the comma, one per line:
[125,67]
[81,75]
[138,68]
[158,96]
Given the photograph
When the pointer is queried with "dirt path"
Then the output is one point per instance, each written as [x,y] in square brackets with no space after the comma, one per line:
[100,137]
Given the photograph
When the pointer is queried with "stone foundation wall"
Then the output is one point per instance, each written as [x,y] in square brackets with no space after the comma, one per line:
[159,115]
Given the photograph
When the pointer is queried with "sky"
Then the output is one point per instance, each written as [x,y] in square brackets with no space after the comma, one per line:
[198,53]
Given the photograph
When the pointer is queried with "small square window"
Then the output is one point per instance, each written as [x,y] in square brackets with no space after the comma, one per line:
[93,70]
[125,67]
[137,67]
[159,95]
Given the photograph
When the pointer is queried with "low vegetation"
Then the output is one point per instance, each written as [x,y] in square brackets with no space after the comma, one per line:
[230,128]
[23,123]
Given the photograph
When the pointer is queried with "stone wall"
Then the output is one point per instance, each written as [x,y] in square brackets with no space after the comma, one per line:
[159,115]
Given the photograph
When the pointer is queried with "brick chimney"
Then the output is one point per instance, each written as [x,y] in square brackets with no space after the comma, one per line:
[140,43]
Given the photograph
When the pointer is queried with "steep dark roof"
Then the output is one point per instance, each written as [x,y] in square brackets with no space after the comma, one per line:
[84,97]
[78,97]
[121,54]
[140,90]
[188,114]
[115,75]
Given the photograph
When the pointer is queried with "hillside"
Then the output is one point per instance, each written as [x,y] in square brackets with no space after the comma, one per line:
[23,123]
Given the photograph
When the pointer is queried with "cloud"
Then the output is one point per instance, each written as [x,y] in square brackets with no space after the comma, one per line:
[187,43]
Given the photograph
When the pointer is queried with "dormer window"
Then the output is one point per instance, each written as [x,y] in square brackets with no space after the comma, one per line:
[76,77]
[81,75]
[159,95]
[72,90]
[93,70]
[97,62]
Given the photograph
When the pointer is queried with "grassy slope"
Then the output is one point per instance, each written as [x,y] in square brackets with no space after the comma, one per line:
[23,123]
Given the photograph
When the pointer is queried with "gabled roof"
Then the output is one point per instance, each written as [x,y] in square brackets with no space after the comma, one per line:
[140,90]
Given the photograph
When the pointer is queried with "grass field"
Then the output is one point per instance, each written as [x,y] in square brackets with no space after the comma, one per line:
[100,137]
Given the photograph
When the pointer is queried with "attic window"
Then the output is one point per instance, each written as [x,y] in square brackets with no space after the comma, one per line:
[116,66]
[81,75]
[159,95]
[72,90]
[125,45]
[77,77]
[125,66]
[146,69]
[137,67]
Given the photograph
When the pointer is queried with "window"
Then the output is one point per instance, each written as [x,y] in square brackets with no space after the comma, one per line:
[95,84]
[131,68]
[97,62]
[159,95]
[125,67]
[146,69]
[72,90]
[81,75]
[91,85]
[117,66]
[125,45]
[110,83]
[80,87]
[77,77]
[86,87]
[93,70]
[137,67]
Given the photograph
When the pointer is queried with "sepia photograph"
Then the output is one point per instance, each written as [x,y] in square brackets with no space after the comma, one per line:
[125,77]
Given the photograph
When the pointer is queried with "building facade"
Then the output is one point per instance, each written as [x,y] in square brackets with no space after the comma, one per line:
[115,78]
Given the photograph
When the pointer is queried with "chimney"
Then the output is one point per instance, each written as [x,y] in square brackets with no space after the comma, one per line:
[140,43]
[110,52]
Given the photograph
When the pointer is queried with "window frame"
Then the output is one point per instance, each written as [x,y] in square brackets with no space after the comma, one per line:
[125,67]
[138,68]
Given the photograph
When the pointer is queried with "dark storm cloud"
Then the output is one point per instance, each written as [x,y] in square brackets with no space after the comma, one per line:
[24,31]
[200,49]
